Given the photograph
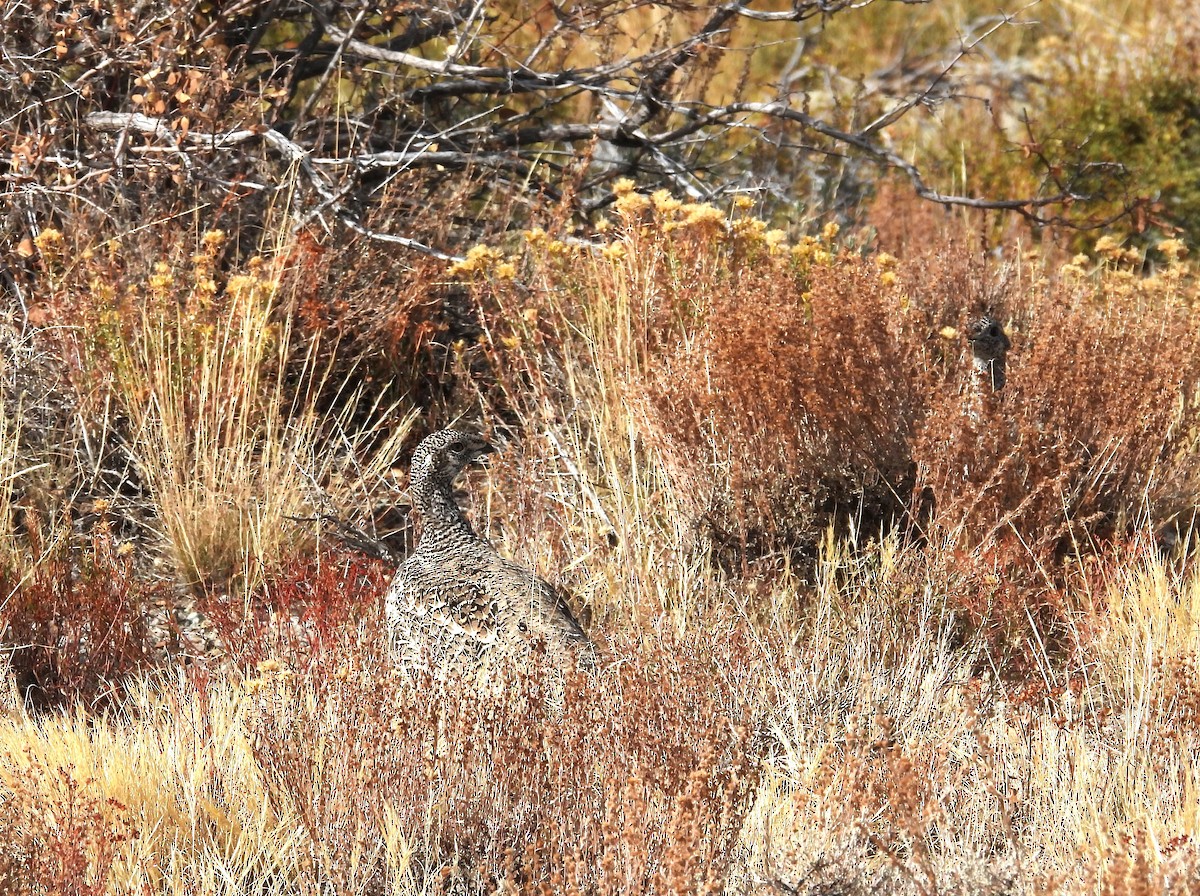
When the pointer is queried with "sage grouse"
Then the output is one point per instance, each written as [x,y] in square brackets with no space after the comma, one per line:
[989,351]
[456,604]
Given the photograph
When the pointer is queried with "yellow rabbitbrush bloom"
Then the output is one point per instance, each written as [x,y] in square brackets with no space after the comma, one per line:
[804,249]
[242,286]
[623,187]
[537,238]
[702,215]
[614,251]
[204,284]
[49,241]
[810,251]
[102,289]
[631,205]
[161,280]
[479,260]
[1173,250]
[749,229]
[1108,247]
[664,202]
[204,290]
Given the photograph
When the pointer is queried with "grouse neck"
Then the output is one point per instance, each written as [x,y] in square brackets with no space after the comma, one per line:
[442,515]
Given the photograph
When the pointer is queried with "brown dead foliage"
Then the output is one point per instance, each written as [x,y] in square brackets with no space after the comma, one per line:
[77,625]
[810,395]
[303,608]
[632,779]
[1095,430]
[59,833]
[804,388]
[796,388]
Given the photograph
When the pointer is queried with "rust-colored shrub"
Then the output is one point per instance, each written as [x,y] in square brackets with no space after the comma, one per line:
[306,604]
[77,623]
[795,387]
[795,392]
[631,779]
[373,320]
[802,387]
[58,833]
[1095,429]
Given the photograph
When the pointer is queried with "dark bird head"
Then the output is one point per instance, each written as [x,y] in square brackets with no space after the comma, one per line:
[442,456]
[988,340]
[989,347]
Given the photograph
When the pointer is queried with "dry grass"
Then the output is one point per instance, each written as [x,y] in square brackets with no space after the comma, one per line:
[959,712]
[229,422]
[867,756]
[858,632]
[348,777]
[786,388]
[220,458]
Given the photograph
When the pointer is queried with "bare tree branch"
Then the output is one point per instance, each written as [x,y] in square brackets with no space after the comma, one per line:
[438,91]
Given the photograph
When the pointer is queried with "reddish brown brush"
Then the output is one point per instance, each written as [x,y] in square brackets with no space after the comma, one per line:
[77,625]
[60,834]
[632,779]
[804,395]
[794,391]
[834,389]
[306,604]
[368,318]
[1094,429]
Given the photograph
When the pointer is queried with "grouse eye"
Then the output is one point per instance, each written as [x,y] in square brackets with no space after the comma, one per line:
[457,446]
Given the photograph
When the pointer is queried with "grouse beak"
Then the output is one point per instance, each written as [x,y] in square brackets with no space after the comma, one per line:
[483,452]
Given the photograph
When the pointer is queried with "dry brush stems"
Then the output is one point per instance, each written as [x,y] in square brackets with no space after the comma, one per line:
[220,106]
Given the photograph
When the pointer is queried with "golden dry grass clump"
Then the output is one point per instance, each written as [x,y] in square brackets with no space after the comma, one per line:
[203,396]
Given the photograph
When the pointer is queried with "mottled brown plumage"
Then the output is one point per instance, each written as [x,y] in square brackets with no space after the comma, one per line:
[455,603]
[989,352]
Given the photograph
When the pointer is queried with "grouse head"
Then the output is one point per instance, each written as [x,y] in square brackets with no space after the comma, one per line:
[988,340]
[442,456]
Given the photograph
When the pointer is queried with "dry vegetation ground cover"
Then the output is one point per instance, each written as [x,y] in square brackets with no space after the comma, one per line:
[859,629]
[718,440]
